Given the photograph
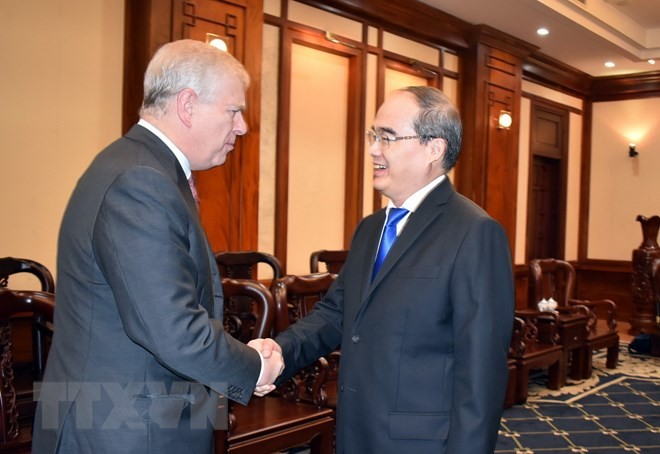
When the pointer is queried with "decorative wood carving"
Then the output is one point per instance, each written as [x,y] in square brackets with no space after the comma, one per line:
[642,261]
[9,419]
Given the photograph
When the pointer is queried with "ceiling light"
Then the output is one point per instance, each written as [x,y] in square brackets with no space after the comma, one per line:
[542,31]
[651,61]
[610,64]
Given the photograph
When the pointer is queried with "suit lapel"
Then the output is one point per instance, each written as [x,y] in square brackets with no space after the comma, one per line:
[373,239]
[430,209]
[171,166]
[167,159]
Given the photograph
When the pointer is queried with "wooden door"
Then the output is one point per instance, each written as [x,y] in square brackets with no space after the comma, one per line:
[228,194]
[546,215]
[544,208]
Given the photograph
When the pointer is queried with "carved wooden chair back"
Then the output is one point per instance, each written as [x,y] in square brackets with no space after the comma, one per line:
[17,408]
[259,322]
[11,265]
[295,296]
[243,264]
[333,260]
[551,278]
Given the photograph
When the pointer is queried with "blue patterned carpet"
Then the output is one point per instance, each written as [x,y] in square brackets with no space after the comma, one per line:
[615,411]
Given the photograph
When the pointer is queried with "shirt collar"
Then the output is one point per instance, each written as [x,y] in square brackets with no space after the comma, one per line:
[183,161]
[413,202]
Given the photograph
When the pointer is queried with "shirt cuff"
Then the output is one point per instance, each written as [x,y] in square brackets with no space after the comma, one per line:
[262,366]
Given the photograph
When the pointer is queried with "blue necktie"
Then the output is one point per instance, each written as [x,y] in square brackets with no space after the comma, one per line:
[389,236]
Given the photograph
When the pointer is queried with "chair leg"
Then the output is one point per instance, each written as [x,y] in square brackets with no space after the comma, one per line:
[612,356]
[323,442]
[578,363]
[522,381]
[510,397]
[587,363]
[557,374]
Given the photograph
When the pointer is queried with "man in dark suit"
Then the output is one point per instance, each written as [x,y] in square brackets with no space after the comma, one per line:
[139,356]
[424,339]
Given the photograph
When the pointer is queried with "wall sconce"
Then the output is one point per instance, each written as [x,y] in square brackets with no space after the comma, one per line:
[505,120]
[217,41]
[632,152]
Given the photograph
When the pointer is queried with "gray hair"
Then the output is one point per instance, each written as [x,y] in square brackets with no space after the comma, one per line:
[438,117]
[185,64]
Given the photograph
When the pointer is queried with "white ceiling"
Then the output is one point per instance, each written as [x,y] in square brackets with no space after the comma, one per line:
[583,33]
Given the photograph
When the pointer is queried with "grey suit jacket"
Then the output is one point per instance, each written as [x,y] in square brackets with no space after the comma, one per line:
[139,354]
[424,346]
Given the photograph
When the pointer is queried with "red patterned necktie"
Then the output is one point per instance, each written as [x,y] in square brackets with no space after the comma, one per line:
[193,189]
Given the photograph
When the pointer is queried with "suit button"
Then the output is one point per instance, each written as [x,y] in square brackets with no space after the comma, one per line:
[341,388]
[355,338]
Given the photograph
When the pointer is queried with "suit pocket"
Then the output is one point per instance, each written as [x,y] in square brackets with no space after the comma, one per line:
[419,426]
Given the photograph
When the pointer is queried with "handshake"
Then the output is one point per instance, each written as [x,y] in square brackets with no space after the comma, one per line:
[272,364]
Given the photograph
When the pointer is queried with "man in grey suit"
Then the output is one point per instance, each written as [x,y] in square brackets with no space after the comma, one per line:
[424,338]
[139,356]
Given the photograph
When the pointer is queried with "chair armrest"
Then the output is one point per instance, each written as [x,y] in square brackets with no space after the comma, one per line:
[333,363]
[517,345]
[550,321]
[308,384]
[604,308]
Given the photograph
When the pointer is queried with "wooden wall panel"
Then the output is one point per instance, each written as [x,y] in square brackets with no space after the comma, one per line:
[228,194]
[488,167]
[148,25]
[521,276]
[615,283]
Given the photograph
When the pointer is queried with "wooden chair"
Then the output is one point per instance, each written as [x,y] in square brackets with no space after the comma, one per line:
[294,297]
[531,351]
[16,414]
[282,420]
[11,265]
[556,278]
[28,357]
[261,304]
[510,396]
[243,264]
[334,260]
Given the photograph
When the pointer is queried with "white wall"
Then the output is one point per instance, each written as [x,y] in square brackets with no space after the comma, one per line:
[623,187]
[60,82]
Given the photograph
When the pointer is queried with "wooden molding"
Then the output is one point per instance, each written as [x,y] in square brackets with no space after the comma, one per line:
[554,74]
[408,18]
[613,88]
[494,38]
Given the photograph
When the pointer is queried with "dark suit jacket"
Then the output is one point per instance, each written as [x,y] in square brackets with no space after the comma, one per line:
[138,318]
[424,347]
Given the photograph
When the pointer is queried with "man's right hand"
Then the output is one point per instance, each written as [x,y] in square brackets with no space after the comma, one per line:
[273,364]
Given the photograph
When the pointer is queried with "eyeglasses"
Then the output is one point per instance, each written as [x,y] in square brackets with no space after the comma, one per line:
[384,140]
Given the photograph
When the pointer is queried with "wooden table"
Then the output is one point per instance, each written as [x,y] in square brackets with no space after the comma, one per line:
[572,334]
